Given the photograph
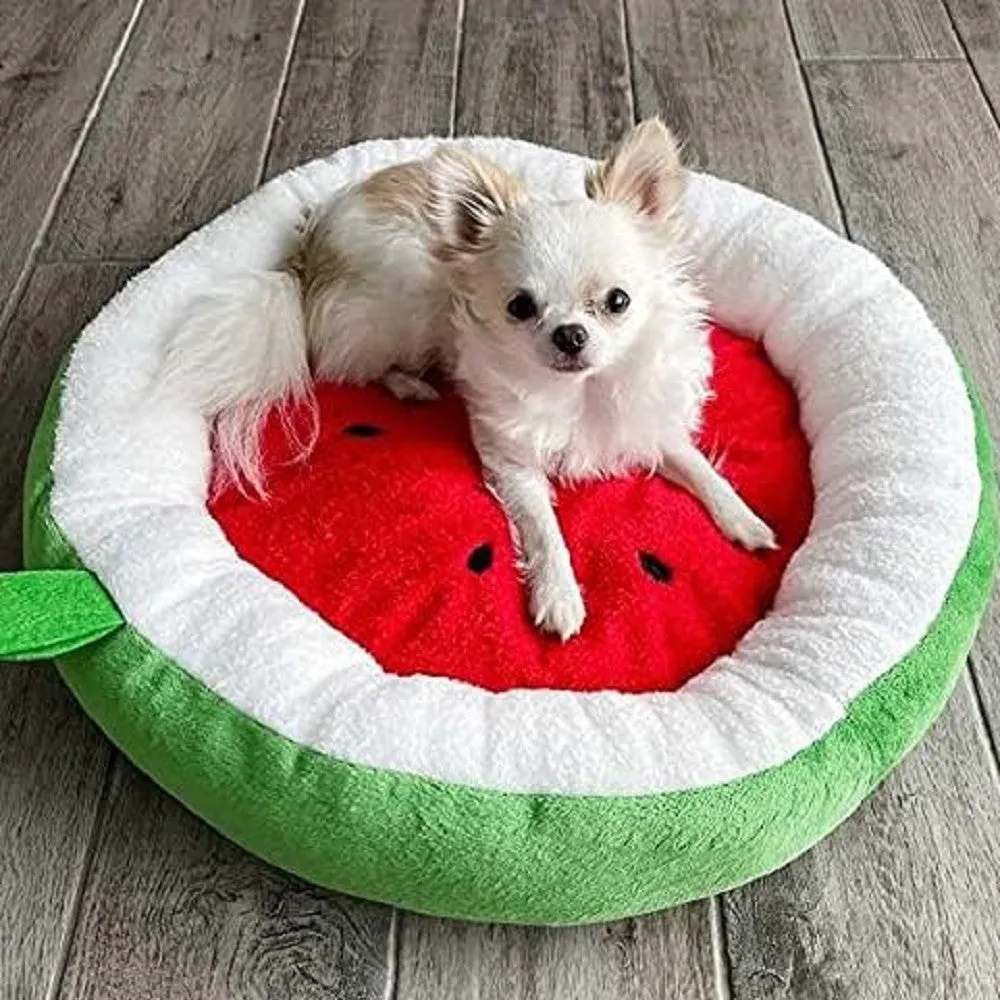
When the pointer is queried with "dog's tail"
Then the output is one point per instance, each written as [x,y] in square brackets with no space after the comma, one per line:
[240,352]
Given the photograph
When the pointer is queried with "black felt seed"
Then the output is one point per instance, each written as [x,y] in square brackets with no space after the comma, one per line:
[480,558]
[363,430]
[655,567]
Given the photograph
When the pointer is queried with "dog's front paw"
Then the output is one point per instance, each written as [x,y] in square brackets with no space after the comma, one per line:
[743,526]
[557,604]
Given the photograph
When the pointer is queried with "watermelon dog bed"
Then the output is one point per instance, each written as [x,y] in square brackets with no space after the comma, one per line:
[344,679]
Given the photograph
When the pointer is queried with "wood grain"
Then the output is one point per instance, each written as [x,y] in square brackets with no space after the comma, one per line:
[986,663]
[53,761]
[875,29]
[367,70]
[918,155]
[555,72]
[182,129]
[724,76]
[52,768]
[646,959]
[53,57]
[902,900]
[557,76]
[978,26]
[172,910]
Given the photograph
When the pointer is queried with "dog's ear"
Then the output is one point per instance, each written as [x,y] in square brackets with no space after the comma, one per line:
[467,196]
[644,172]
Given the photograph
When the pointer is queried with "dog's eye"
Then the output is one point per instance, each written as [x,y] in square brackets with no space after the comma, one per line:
[617,301]
[522,307]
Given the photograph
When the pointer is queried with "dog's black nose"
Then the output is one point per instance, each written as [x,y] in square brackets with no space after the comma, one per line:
[571,338]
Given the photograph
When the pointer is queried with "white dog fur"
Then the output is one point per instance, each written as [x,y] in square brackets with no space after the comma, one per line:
[571,329]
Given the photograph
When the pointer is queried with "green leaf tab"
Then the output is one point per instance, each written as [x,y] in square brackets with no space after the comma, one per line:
[45,613]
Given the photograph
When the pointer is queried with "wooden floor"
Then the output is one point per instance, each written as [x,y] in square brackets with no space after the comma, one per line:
[126,123]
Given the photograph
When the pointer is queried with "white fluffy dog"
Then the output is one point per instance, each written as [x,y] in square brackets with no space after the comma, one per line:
[571,329]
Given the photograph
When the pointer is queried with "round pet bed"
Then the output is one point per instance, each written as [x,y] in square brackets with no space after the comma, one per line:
[344,680]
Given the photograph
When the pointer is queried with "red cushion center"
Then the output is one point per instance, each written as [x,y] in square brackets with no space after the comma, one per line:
[389,534]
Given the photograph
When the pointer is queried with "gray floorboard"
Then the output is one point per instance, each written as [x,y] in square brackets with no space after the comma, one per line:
[879,115]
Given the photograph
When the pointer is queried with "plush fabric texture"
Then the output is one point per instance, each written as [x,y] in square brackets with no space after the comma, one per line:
[882,403]
[465,852]
[531,804]
[46,613]
[389,534]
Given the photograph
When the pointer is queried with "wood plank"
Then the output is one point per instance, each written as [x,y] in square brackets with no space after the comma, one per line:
[725,77]
[53,761]
[555,72]
[556,76]
[364,71]
[52,769]
[182,131]
[901,901]
[913,873]
[917,159]
[978,25]
[986,660]
[646,959]
[53,58]
[919,155]
[876,29]
[172,910]
[709,70]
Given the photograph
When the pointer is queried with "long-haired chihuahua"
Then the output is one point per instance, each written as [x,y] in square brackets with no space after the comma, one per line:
[572,329]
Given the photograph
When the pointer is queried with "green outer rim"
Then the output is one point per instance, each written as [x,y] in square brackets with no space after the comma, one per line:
[452,850]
